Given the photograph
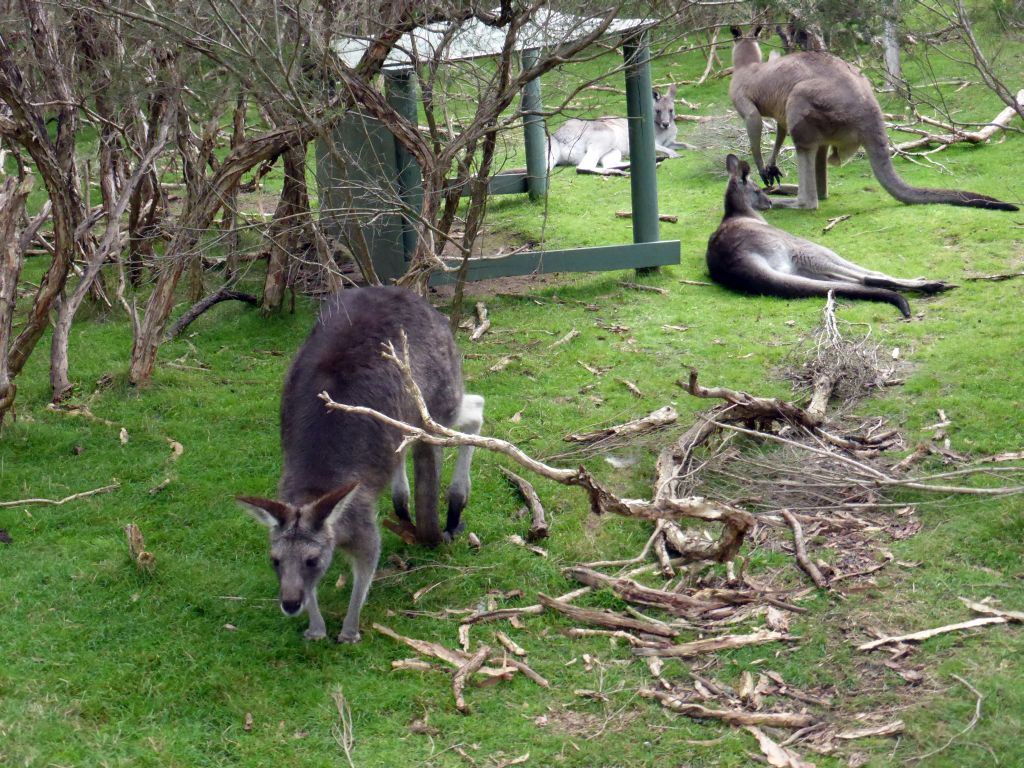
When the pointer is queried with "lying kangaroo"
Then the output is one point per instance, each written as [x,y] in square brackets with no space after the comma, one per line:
[747,254]
[335,464]
[824,103]
[589,143]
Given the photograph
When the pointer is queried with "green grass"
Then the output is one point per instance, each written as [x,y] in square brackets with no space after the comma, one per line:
[100,665]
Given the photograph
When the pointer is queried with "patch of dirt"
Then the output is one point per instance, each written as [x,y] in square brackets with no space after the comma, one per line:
[588,724]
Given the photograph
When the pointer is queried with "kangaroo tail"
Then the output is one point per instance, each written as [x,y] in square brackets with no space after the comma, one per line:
[767,282]
[876,144]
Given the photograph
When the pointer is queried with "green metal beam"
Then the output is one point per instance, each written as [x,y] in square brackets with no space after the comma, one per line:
[643,178]
[533,128]
[400,86]
[597,259]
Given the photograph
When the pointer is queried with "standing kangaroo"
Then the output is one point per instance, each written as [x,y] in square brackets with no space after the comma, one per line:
[747,254]
[589,143]
[822,102]
[336,464]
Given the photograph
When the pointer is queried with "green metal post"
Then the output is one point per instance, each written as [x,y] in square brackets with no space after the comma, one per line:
[533,128]
[400,86]
[640,109]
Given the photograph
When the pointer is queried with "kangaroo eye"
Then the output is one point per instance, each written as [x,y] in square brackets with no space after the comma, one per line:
[276,562]
[312,562]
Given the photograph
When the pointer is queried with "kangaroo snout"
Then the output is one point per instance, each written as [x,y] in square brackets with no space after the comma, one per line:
[291,607]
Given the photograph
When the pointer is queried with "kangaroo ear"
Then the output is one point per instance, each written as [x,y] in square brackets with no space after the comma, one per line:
[757,31]
[656,94]
[737,33]
[328,507]
[270,513]
[672,90]
[732,165]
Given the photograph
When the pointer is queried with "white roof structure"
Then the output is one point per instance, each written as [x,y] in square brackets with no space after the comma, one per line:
[475,39]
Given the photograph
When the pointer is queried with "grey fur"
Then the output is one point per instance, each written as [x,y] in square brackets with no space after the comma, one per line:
[588,144]
[830,110]
[747,254]
[335,465]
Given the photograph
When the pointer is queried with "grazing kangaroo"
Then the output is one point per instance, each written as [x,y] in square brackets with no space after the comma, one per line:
[823,103]
[747,254]
[335,464]
[590,143]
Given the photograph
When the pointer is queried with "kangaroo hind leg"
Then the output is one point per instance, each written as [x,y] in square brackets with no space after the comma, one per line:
[470,419]
[426,462]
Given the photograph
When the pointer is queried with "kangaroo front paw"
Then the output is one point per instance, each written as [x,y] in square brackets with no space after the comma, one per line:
[314,634]
[349,637]
[449,535]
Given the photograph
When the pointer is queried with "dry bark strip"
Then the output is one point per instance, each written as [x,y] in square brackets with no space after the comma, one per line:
[895,728]
[800,547]
[730,716]
[666,217]
[713,644]
[991,610]
[526,610]
[606,619]
[777,755]
[538,523]
[483,323]
[463,673]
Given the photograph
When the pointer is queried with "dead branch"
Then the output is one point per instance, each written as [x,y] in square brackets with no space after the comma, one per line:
[565,339]
[538,523]
[991,610]
[508,643]
[606,619]
[730,716]
[666,217]
[676,603]
[641,287]
[224,294]
[735,522]
[895,728]
[954,134]
[59,502]
[927,633]
[456,659]
[143,560]
[777,755]
[713,644]
[528,672]
[652,421]
[996,278]
[527,610]
[629,637]
[483,323]
[463,673]
[801,550]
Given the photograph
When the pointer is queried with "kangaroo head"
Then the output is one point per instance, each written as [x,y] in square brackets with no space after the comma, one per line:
[742,193]
[745,49]
[665,108]
[301,541]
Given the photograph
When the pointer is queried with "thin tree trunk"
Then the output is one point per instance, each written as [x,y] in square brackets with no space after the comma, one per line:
[891,46]
[12,205]
[285,227]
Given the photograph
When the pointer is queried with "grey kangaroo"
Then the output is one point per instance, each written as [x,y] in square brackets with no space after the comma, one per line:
[823,103]
[335,464]
[749,255]
[590,143]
